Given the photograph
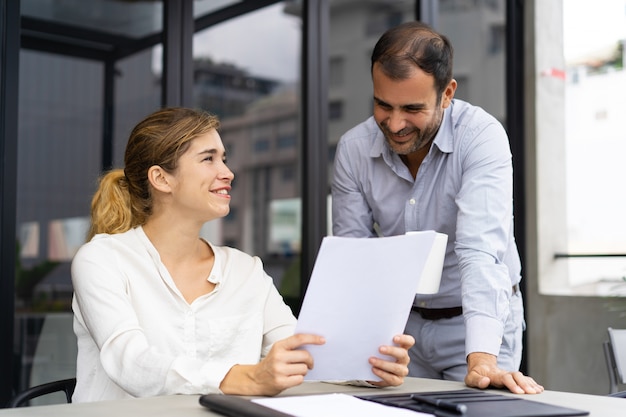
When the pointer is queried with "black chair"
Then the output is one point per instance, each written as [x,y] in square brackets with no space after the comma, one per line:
[65,385]
[615,356]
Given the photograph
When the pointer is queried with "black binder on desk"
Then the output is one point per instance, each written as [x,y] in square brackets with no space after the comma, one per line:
[234,406]
[473,403]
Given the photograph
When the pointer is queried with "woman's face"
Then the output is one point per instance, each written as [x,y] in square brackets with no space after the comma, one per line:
[201,184]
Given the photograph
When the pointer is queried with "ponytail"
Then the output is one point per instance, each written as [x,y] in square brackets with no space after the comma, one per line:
[111,206]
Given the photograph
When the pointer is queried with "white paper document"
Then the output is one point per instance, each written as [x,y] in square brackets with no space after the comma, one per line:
[334,405]
[360,295]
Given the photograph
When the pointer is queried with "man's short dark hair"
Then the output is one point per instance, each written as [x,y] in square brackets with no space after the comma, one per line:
[411,44]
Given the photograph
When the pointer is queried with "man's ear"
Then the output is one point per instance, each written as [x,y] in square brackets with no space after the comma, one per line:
[448,94]
[158,179]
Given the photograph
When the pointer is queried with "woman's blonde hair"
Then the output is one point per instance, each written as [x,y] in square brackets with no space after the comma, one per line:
[123,199]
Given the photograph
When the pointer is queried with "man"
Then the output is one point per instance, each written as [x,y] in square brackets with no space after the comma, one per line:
[426,161]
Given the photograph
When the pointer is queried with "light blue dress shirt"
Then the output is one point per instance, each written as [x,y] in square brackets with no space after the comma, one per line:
[463,188]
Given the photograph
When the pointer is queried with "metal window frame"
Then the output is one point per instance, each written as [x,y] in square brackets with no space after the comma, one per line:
[314,156]
[9,72]
[515,103]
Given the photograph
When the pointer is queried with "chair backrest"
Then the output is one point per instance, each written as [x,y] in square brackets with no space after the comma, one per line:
[615,355]
[65,385]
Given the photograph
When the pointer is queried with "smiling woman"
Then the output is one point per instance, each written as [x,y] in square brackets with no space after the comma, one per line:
[170,298]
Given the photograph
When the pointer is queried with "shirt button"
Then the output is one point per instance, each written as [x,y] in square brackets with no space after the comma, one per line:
[422,303]
[412,201]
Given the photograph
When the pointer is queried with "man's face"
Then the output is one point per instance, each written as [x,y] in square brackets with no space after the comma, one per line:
[407,111]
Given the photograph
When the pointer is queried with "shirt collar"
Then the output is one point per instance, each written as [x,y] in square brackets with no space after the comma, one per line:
[380,144]
[217,273]
[444,137]
[216,276]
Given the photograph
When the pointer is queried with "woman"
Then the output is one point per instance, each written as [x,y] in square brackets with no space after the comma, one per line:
[157,309]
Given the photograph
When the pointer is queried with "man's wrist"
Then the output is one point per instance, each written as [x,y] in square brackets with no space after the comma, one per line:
[480,358]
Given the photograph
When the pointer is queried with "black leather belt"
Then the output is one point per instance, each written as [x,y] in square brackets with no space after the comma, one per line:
[438,313]
[445,313]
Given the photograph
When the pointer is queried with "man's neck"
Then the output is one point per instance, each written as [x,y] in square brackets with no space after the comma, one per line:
[414,159]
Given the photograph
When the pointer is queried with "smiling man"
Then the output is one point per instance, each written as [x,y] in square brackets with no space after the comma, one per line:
[427,161]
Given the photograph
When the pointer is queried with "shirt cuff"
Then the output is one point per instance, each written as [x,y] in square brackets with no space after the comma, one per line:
[483,334]
[203,379]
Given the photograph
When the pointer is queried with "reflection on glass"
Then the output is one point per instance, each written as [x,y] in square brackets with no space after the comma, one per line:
[28,240]
[246,70]
[62,132]
[354,29]
[65,236]
[137,94]
[594,139]
[59,159]
[477,33]
[286,221]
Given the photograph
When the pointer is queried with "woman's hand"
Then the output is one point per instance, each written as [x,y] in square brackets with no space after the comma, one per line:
[285,366]
[392,373]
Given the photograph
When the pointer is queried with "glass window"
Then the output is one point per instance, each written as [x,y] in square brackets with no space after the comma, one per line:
[261,145]
[381,18]
[585,235]
[335,110]
[476,31]
[286,142]
[288,174]
[496,39]
[247,71]
[60,106]
[354,31]
[336,71]
[64,125]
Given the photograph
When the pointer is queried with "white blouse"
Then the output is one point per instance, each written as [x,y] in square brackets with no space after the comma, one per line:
[138,336]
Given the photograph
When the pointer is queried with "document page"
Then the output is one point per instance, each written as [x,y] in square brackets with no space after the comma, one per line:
[334,405]
[360,295]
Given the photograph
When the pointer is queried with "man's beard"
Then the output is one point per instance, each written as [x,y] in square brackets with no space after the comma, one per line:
[420,139]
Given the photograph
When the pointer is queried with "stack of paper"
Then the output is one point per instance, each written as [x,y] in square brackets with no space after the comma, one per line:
[360,295]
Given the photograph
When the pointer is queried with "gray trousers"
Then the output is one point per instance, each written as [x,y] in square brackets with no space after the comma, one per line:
[439,351]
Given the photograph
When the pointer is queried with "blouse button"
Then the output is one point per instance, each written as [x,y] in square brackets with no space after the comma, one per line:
[412,201]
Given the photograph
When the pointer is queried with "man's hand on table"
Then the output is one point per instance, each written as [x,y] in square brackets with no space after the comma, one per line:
[483,372]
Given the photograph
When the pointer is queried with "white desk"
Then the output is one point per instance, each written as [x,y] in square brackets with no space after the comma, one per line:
[188,405]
